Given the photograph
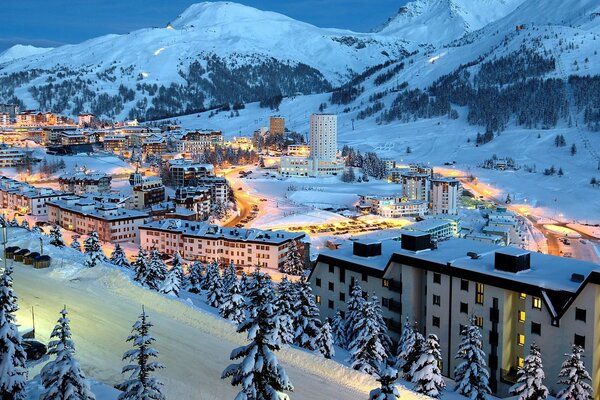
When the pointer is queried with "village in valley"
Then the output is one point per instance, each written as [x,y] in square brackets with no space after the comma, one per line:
[391,222]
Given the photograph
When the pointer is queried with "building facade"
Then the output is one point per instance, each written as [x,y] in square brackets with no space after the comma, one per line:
[445,193]
[147,192]
[517,298]
[85,182]
[206,242]
[415,186]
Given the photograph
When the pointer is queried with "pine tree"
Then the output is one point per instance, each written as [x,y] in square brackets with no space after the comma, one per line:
[245,283]
[575,376]
[416,348]
[294,264]
[119,258]
[157,271]
[307,321]
[286,313]
[259,373]
[63,378]
[214,285]
[14,223]
[355,306]
[366,350]
[325,341]
[140,266]
[387,376]
[173,281]
[229,276]
[426,373]
[530,385]
[195,277]
[75,244]
[338,329]
[37,231]
[405,345]
[471,375]
[141,385]
[383,330]
[232,306]
[93,252]
[25,224]
[13,376]
[56,238]
[573,149]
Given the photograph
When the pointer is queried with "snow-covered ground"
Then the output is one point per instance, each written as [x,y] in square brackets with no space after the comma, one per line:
[194,344]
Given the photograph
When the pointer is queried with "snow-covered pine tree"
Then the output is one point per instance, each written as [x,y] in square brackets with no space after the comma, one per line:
[229,276]
[426,373]
[195,277]
[232,306]
[294,264]
[157,270]
[575,376]
[141,385]
[119,258]
[140,266]
[13,376]
[307,322]
[405,345]
[338,329]
[25,224]
[383,330]
[214,285]
[366,350]
[93,251]
[530,377]
[286,313]
[355,306]
[387,376]
[471,375]
[245,282]
[75,244]
[62,377]
[56,238]
[325,341]
[259,372]
[173,281]
[37,231]
[414,354]
[14,223]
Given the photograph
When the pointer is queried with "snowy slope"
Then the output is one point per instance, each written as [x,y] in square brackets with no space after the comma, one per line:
[441,21]
[20,51]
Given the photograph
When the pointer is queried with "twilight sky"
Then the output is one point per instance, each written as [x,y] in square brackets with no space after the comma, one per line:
[55,22]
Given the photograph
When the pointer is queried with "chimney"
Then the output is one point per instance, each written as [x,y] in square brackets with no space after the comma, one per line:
[364,249]
[416,241]
[512,259]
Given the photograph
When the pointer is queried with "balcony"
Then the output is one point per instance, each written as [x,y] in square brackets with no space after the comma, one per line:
[395,286]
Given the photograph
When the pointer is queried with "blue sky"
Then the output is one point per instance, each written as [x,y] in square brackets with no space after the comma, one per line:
[56,22]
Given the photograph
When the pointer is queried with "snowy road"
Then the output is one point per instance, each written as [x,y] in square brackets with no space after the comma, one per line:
[194,346]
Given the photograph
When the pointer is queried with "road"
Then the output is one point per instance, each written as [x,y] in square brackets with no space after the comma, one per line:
[193,345]
[244,200]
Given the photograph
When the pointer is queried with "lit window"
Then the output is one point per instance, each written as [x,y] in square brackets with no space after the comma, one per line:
[386,283]
[536,302]
[479,293]
[523,295]
[521,339]
[520,362]
[318,299]
[479,322]
[521,316]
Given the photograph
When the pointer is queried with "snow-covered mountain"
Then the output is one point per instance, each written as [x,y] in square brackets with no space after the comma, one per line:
[20,51]
[441,21]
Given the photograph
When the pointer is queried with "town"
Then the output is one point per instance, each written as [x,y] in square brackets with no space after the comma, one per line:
[232,203]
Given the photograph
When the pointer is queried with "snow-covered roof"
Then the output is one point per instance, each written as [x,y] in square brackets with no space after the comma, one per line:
[209,231]
[90,208]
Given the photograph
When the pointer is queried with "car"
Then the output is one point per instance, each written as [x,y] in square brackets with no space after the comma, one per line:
[240,188]
[34,350]
[239,225]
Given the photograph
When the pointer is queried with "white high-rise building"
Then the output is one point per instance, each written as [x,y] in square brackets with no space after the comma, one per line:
[444,196]
[415,186]
[323,137]
[322,159]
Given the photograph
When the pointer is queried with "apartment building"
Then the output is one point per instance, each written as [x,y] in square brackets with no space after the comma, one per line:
[276,125]
[206,242]
[26,199]
[415,186]
[196,199]
[83,215]
[85,182]
[115,143]
[444,195]
[518,297]
[393,206]
[154,144]
[196,142]
[11,156]
[148,191]
[187,173]
[218,187]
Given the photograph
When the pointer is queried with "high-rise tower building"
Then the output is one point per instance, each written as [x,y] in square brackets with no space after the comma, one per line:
[323,137]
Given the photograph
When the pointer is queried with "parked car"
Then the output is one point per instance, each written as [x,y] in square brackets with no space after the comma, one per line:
[34,349]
